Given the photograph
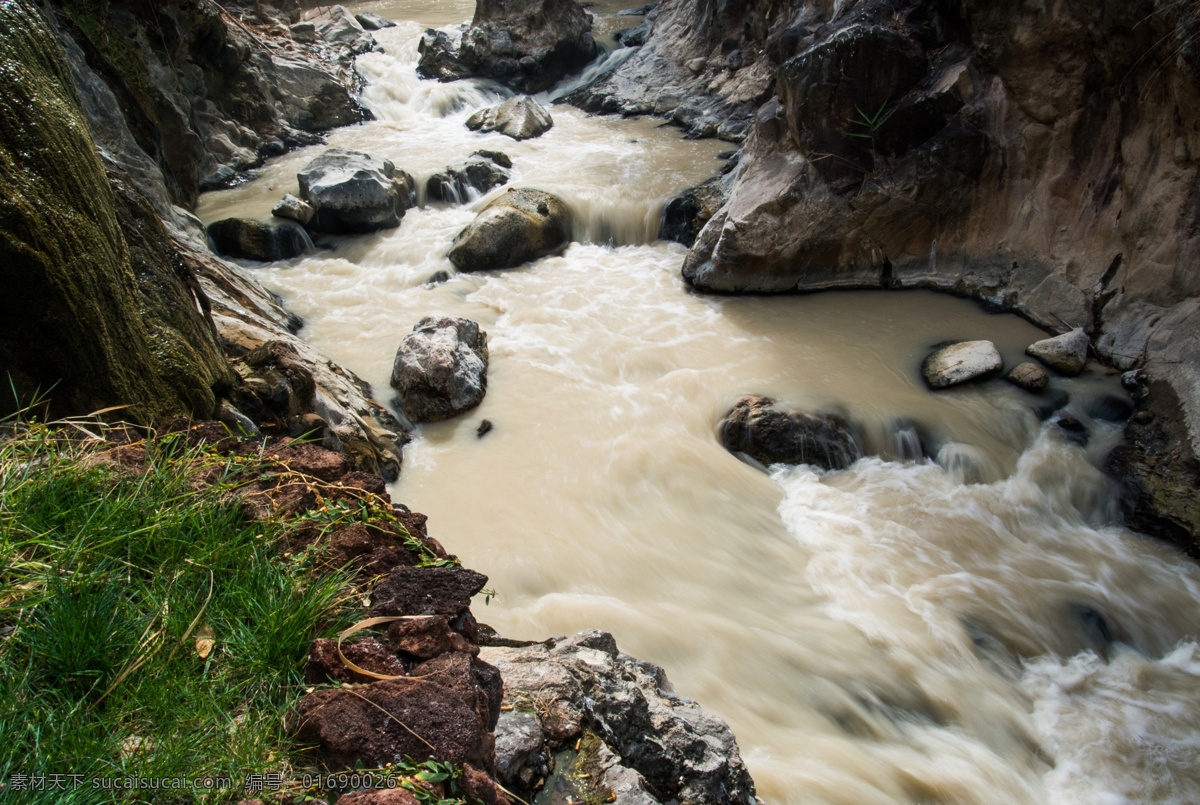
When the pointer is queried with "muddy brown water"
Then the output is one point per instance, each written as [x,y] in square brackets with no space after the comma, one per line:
[972,627]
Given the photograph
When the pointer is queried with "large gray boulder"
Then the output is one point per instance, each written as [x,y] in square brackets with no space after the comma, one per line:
[338,25]
[1065,354]
[371,21]
[521,118]
[961,363]
[520,226]
[441,368]
[527,44]
[438,57]
[254,240]
[654,741]
[352,192]
[770,435]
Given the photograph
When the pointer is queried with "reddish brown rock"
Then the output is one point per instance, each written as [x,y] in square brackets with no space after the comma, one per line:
[380,796]
[386,721]
[324,664]
[368,483]
[478,683]
[351,541]
[312,460]
[427,591]
[426,638]
[483,788]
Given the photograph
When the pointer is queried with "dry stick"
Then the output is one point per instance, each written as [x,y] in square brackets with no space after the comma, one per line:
[367,624]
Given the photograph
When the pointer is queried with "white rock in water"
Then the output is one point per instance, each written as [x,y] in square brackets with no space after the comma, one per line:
[521,118]
[1066,353]
[291,207]
[960,363]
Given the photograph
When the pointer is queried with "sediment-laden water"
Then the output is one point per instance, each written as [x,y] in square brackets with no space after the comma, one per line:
[967,628]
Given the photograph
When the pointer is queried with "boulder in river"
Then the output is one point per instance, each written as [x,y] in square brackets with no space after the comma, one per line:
[529,45]
[1029,376]
[520,226]
[338,25]
[249,239]
[438,58]
[352,192]
[296,209]
[441,368]
[521,118]
[961,363]
[1065,354]
[478,174]
[770,435]
[371,21]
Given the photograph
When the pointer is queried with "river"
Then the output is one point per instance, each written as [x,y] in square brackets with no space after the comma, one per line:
[970,629]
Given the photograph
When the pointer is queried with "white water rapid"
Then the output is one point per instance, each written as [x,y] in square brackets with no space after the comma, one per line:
[973,629]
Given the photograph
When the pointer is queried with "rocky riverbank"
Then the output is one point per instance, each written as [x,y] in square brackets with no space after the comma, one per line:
[1040,158]
[148,104]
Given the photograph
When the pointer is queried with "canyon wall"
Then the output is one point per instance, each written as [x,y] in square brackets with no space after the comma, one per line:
[1038,156]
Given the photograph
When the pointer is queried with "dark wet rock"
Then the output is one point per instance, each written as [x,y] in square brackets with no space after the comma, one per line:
[1028,376]
[1049,402]
[324,665]
[291,207]
[441,368]
[1065,354]
[527,46]
[485,427]
[1158,470]
[961,363]
[248,239]
[459,183]
[1072,429]
[1110,408]
[427,591]
[685,215]
[439,58]
[518,227]
[499,157]
[353,192]
[769,435]
[371,21]
[347,728]
[678,751]
[521,118]
[303,32]
[633,37]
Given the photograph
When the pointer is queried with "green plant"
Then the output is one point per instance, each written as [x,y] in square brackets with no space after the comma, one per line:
[870,125]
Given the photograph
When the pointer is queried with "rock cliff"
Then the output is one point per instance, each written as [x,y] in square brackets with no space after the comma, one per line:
[1038,156]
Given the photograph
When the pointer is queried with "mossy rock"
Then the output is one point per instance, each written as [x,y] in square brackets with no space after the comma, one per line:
[85,318]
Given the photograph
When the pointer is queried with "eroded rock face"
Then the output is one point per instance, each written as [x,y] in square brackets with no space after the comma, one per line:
[441,368]
[961,363]
[656,742]
[352,192]
[520,226]
[291,207]
[254,240]
[1065,354]
[770,435]
[371,21]
[527,45]
[521,118]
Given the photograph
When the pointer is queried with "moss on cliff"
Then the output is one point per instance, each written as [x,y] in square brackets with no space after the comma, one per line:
[72,314]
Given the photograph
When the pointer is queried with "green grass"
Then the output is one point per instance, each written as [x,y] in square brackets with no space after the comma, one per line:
[106,579]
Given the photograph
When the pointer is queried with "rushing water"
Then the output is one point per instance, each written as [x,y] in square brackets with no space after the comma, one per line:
[970,629]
